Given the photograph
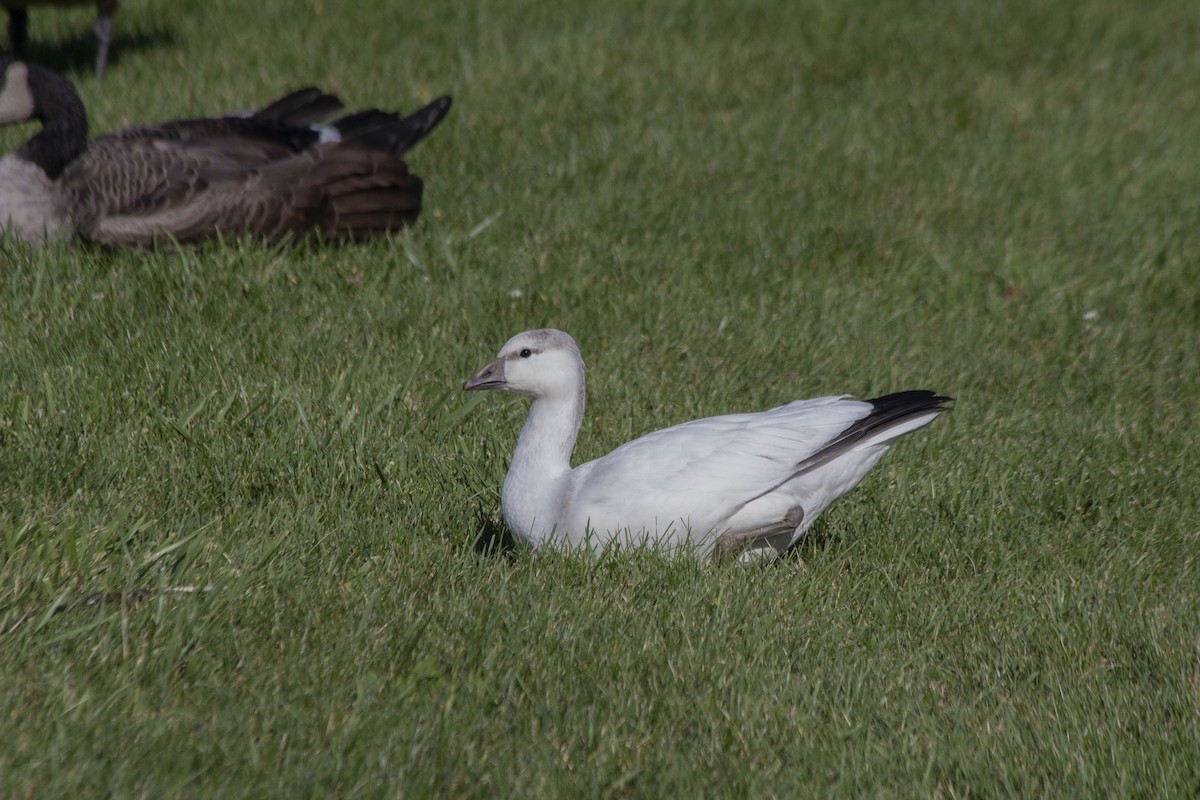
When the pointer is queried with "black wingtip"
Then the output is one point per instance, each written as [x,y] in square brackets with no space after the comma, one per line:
[437,109]
[887,411]
[912,401]
[899,406]
[904,405]
[383,130]
[421,123]
[300,108]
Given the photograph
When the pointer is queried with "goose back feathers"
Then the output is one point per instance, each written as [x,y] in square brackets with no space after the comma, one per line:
[740,485]
[271,173]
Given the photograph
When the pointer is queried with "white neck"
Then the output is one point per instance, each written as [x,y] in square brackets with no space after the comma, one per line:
[534,490]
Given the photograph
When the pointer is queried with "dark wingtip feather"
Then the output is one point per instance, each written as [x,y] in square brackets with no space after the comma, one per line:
[903,404]
[300,108]
[383,130]
[888,410]
[897,407]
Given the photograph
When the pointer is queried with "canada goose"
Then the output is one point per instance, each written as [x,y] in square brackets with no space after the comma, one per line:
[270,173]
[736,486]
[18,25]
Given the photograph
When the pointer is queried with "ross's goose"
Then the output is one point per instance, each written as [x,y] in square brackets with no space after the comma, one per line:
[734,486]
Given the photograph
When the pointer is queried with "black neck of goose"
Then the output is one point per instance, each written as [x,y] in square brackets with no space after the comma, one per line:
[64,132]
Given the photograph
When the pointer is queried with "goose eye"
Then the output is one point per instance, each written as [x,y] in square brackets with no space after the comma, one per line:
[526,353]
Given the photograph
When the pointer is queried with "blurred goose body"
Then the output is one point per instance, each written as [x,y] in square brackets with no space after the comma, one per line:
[270,173]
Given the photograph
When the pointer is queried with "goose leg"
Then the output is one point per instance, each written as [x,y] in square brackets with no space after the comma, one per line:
[730,545]
[18,31]
[103,30]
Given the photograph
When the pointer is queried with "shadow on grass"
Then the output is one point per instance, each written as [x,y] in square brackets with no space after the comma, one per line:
[492,538]
[77,53]
[812,544]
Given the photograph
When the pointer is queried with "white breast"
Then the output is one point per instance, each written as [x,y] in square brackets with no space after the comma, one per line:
[29,201]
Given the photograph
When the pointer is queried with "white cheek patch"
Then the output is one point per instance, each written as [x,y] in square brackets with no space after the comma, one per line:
[16,101]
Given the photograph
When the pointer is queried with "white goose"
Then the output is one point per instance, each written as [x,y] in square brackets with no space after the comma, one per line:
[734,486]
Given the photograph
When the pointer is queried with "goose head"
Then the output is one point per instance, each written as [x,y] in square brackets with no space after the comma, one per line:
[540,364]
[17,102]
[29,92]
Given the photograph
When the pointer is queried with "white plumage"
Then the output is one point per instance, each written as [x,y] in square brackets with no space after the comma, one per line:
[728,486]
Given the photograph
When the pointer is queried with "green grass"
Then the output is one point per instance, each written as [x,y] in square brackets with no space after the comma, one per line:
[730,205]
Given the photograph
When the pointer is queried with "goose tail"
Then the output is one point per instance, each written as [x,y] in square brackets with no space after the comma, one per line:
[891,416]
[897,414]
[391,133]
